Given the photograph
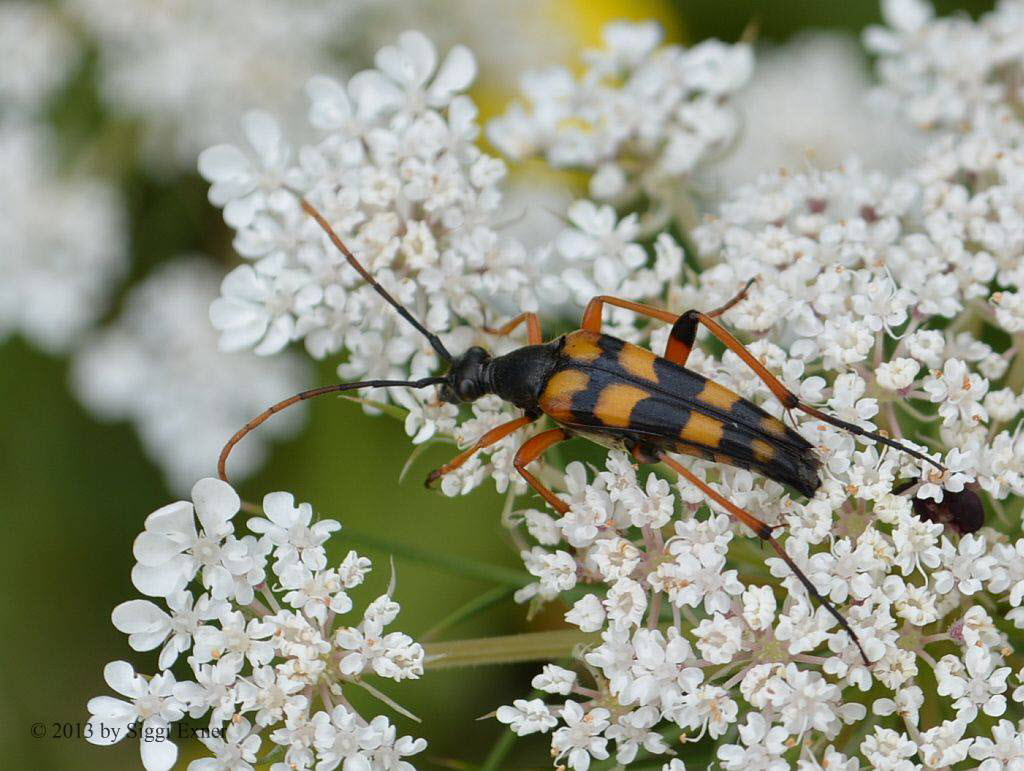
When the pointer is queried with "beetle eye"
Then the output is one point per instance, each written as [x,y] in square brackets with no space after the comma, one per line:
[466,388]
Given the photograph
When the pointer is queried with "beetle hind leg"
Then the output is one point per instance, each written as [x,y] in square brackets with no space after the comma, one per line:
[681,343]
[764,531]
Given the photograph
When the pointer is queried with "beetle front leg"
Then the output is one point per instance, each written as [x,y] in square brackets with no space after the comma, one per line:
[493,436]
[534,335]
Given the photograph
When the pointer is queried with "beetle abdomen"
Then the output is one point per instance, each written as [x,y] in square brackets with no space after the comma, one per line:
[603,385]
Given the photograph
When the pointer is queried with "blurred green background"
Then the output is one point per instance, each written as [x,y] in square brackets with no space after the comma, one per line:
[75,491]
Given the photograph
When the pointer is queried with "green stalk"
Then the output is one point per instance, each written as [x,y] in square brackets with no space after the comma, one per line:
[499,751]
[509,649]
[477,604]
[448,562]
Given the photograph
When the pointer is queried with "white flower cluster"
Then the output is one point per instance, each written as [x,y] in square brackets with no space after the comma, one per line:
[877,298]
[63,245]
[949,72]
[398,174]
[189,68]
[44,50]
[641,118]
[259,619]
[159,366]
[688,640]
[891,301]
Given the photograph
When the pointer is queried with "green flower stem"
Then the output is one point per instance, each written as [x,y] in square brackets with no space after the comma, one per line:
[1015,377]
[449,562]
[479,603]
[499,751]
[509,649]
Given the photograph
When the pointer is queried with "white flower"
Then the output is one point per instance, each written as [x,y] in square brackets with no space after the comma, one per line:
[762,747]
[236,750]
[151,702]
[587,613]
[1004,750]
[527,717]
[965,567]
[626,603]
[943,745]
[259,676]
[633,731]
[719,639]
[886,748]
[958,392]
[580,738]
[147,625]
[594,120]
[171,550]
[974,684]
[292,530]
[658,671]
[897,374]
[759,607]
[555,679]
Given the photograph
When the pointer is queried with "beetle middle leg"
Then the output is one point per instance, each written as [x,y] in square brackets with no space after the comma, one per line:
[493,436]
[532,449]
[763,531]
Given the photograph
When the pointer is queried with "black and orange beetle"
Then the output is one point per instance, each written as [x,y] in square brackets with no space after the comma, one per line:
[620,395]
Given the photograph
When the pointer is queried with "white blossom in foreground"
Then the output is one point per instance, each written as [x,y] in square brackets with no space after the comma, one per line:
[269,634]
[40,52]
[892,301]
[858,276]
[397,172]
[63,244]
[159,366]
[664,108]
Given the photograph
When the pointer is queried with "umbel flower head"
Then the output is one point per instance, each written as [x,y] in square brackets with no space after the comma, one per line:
[270,635]
[890,300]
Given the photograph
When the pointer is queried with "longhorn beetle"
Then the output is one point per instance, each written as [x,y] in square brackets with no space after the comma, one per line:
[622,396]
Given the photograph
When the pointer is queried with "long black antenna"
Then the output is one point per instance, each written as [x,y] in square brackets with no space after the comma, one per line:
[313,392]
[434,340]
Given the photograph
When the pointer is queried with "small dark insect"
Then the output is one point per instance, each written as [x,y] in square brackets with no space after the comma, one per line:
[619,395]
[963,512]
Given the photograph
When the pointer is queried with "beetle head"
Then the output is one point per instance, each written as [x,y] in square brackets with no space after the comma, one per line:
[468,378]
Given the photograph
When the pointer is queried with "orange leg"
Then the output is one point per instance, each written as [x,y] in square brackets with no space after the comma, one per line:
[763,531]
[533,331]
[496,434]
[679,345]
[683,333]
[532,449]
[684,330]
[594,312]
